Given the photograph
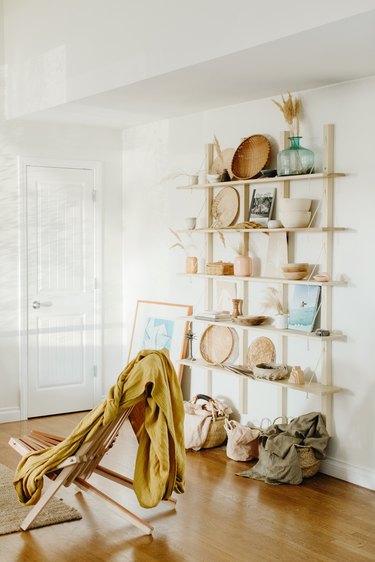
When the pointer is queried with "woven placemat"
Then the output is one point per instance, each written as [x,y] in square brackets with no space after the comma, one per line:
[12,513]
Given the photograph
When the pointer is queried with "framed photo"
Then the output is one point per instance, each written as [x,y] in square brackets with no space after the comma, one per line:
[261,206]
[156,326]
[304,307]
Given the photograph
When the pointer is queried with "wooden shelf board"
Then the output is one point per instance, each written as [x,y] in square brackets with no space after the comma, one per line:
[269,328]
[266,279]
[265,230]
[312,388]
[276,179]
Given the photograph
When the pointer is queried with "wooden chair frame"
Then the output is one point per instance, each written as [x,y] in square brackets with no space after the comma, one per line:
[78,468]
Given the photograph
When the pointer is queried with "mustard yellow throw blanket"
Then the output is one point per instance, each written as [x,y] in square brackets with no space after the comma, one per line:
[160,463]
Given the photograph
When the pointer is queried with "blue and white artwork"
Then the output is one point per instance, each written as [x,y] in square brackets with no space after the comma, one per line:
[304,307]
[158,333]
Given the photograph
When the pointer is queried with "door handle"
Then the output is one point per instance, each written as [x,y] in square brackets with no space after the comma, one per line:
[37,304]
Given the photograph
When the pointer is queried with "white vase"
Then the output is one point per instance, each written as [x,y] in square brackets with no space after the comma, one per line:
[242,266]
[280,321]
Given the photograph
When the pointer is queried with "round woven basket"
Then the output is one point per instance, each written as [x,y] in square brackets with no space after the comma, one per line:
[219,344]
[308,462]
[250,157]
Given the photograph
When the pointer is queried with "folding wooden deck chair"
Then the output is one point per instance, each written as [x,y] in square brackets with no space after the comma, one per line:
[78,468]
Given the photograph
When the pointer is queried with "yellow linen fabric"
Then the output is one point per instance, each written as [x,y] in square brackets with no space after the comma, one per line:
[160,463]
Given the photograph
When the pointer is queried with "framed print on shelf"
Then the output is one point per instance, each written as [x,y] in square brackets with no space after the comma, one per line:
[261,206]
[304,307]
[156,326]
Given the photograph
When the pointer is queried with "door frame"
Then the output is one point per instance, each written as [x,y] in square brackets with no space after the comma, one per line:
[96,168]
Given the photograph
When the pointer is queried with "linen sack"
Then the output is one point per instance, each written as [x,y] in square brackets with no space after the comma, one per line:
[242,444]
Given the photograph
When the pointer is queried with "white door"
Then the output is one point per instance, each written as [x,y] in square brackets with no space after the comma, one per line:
[62,334]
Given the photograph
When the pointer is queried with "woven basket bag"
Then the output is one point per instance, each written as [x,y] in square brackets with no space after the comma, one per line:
[308,462]
[216,434]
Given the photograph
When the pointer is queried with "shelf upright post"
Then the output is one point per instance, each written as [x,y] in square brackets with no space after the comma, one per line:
[208,296]
[244,340]
[284,191]
[327,264]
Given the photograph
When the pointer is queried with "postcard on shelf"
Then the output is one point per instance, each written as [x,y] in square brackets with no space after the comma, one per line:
[304,307]
[261,206]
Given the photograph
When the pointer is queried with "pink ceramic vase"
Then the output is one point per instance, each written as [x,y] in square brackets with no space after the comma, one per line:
[242,266]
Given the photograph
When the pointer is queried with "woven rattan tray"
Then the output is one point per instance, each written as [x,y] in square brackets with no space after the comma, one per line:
[250,157]
[217,344]
[261,350]
[225,207]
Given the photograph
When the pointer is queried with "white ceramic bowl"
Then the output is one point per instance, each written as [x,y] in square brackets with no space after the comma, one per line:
[213,178]
[294,204]
[295,219]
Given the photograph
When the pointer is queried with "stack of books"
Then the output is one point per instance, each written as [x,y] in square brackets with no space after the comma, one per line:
[213,315]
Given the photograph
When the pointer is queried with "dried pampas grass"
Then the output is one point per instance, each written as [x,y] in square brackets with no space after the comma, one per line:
[271,301]
[291,109]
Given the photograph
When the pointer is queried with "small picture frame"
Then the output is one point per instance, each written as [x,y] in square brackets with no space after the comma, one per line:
[261,206]
[159,325]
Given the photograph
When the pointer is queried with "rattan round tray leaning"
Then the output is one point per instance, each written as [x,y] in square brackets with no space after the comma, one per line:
[250,157]
[261,350]
[225,207]
[217,344]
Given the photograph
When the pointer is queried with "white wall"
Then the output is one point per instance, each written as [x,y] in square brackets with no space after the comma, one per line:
[70,143]
[151,204]
[62,51]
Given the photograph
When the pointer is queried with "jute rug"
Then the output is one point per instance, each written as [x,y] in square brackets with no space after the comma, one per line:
[12,513]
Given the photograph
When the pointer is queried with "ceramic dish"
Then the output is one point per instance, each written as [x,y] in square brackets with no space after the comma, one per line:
[295,275]
[295,219]
[321,277]
[270,371]
[274,223]
[294,267]
[225,207]
[286,204]
[250,320]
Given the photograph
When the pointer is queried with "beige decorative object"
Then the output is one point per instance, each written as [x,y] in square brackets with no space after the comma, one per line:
[219,268]
[218,344]
[250,157]
[261,350]
[191,265]
[297,376]
[217,165]
[225,207]
[277,254]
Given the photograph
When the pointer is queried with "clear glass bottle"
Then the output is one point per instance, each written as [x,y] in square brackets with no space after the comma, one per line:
[295,160]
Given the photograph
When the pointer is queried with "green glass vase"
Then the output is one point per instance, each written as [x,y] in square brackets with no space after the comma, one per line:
[295,160]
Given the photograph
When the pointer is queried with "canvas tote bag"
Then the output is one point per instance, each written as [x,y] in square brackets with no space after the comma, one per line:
[242,444]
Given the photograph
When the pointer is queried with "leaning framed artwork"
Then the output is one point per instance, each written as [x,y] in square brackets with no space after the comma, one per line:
[261,206]
[158,325]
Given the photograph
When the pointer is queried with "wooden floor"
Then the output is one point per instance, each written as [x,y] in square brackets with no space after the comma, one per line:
[221,517]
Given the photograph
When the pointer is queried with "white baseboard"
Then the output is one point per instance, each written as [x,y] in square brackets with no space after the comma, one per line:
[349,472]
[9,415]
